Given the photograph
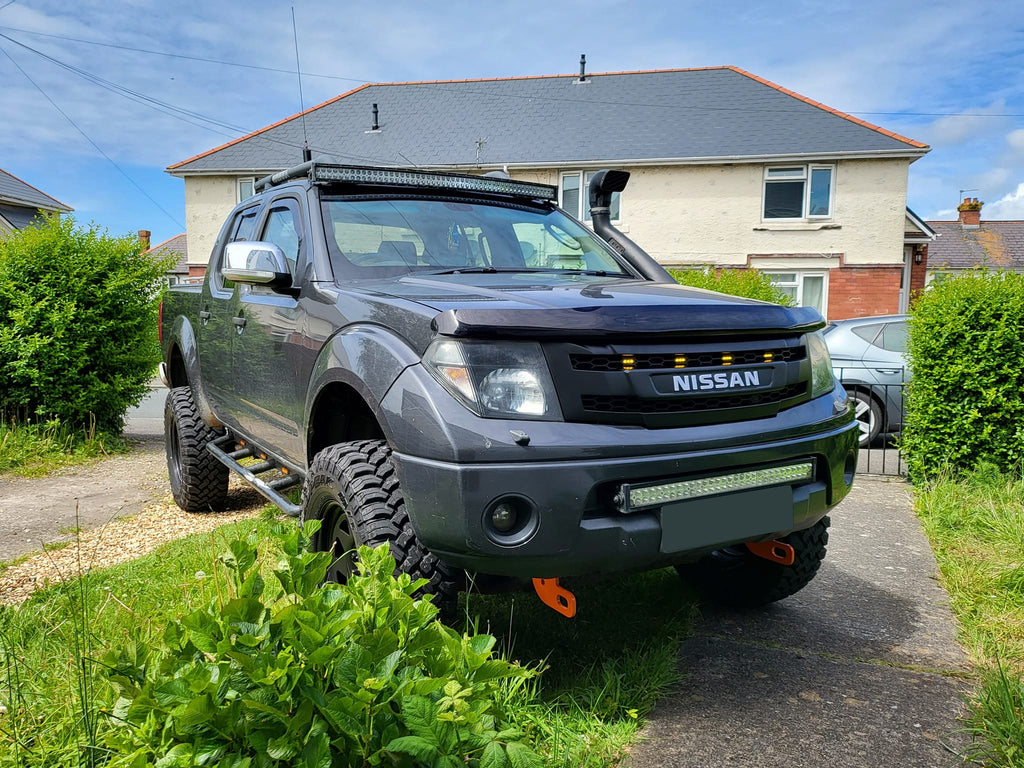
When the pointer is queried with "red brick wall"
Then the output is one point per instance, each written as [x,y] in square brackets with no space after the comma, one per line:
[196,270]
[864,291]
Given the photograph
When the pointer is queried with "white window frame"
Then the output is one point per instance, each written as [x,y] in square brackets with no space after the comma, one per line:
[581,208]
[238,188]
[806,171]
[799,275]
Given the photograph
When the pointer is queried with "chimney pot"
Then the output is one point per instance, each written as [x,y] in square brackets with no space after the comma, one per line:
[970,212]
[144,236]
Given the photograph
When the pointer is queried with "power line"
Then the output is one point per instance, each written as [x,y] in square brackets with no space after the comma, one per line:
[171,55]
[440,86]
[87,138]
[171,110]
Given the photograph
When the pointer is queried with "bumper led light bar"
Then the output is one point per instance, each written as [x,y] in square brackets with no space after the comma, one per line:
[632,497]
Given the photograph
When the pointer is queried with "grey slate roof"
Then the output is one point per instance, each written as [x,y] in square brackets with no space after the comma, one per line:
[18,216]
[994,244]
[670,115]
[178,245]
[14,191]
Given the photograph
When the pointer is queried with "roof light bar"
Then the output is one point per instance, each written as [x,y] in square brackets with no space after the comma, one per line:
[632,498]
[364,175]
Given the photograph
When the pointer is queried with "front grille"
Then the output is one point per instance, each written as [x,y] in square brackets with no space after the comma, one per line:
[629,404]
[684,359]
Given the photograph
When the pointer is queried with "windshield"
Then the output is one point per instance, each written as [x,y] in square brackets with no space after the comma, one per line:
[380,238]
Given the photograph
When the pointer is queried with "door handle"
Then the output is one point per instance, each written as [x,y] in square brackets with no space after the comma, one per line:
[205,316]
[888,371]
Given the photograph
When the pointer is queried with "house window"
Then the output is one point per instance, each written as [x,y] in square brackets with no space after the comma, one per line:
[246,188]
[806,289]
[798,191]
[574,194]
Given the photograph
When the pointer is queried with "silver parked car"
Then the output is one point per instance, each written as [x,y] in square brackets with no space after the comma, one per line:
[869,358]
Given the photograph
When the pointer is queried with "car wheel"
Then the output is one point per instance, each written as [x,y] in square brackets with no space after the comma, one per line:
[736,577]
[868,414]
[352,488]
[199,483]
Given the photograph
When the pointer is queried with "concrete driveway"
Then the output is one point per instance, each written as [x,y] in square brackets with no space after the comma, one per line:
[861,668]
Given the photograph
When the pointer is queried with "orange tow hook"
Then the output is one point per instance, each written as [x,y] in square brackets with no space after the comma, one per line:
[776,551]
[555,596]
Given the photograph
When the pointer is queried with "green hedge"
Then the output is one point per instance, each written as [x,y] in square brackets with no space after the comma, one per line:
[77,324]
[748,283]
[965,402]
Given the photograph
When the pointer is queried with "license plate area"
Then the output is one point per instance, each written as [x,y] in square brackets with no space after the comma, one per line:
[711,520]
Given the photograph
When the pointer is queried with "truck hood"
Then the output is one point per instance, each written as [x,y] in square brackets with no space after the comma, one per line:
[547,305]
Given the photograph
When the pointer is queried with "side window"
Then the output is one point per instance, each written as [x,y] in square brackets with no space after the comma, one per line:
[241,229]
[282,228]
[869,332]
[894,338]
[574,193]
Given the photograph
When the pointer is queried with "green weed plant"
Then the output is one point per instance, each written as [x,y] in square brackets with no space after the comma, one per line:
[310,675]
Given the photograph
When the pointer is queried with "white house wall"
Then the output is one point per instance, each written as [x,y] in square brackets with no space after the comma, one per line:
[695,214]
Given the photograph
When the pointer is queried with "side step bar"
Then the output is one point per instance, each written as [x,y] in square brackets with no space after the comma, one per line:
[271,490]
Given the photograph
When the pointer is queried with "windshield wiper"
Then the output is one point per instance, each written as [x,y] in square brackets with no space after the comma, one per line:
[524,270]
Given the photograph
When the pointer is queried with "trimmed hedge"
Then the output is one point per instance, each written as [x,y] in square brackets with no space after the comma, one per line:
[748,283]
[77,324]
[965,402]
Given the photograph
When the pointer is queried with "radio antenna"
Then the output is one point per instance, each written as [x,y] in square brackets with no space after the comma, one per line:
[306,154]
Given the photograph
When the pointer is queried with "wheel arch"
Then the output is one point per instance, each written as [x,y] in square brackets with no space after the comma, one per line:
[339,414]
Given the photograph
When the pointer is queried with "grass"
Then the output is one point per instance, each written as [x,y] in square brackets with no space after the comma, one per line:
[34,450]
[603,670]
[976,526]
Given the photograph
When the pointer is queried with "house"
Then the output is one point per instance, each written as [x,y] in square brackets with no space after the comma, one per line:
[969,242]
[21,203]
[728,169]
[181,272]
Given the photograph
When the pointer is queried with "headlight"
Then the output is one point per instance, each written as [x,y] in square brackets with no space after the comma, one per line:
[822,381]
[495,379]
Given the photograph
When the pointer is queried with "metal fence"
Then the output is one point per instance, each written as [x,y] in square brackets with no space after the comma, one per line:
[877,395]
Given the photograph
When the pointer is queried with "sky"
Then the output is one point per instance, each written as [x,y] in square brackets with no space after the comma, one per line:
[98,97]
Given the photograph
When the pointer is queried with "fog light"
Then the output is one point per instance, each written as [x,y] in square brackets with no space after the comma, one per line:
[504,517]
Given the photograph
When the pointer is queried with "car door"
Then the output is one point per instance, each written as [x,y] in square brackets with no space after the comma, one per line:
[885,359]
[216,330]
[271,362]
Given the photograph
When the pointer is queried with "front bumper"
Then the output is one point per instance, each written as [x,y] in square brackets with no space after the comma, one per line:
[576,528]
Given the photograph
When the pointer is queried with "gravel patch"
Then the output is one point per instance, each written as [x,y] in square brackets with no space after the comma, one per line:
[121,540]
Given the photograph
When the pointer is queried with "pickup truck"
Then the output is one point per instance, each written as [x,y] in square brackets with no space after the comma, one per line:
[453,366]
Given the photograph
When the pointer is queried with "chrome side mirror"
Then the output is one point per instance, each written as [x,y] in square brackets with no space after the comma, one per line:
[257,263]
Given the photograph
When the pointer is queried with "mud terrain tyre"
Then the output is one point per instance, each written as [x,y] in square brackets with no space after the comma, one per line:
[353,489]
[736,577]
[199,482]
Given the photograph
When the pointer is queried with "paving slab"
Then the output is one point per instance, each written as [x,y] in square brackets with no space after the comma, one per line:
[861,668]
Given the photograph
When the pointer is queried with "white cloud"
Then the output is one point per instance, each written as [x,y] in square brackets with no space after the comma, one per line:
[968,125]
[1010,207]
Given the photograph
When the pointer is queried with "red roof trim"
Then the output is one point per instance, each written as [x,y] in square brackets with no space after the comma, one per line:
[264,130]
[761,80]
[836,112]
[58,202]
[165,242]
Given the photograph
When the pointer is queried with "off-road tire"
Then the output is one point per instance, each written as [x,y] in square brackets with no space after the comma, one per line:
[353,489]
[199,482]
[736,577]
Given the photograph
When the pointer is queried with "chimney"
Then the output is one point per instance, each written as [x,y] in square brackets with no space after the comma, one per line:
[144,235]
[970,212]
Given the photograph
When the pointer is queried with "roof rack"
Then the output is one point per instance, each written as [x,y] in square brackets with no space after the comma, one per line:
[361,174]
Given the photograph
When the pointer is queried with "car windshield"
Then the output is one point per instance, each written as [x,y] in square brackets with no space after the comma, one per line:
[383,238]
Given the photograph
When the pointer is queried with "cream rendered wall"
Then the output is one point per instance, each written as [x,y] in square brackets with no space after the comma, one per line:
[694,214]
[700,214]
[208,201]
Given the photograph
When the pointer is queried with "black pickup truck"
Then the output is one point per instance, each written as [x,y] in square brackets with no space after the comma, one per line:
[452,365]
